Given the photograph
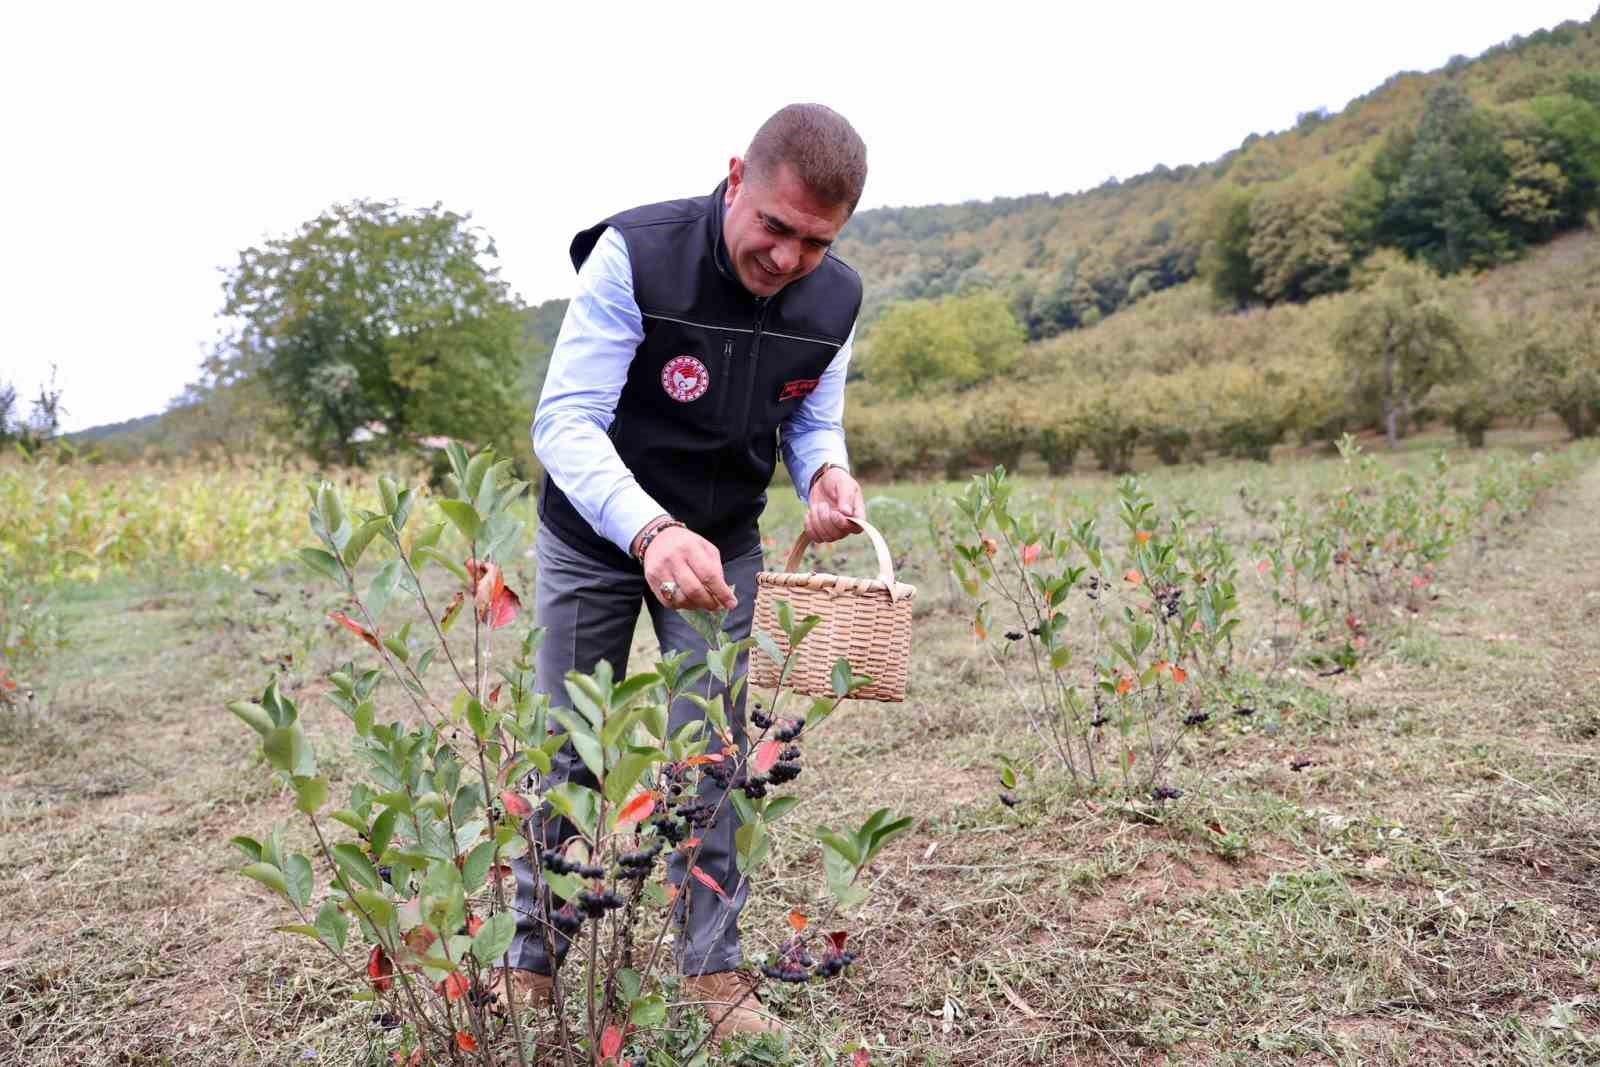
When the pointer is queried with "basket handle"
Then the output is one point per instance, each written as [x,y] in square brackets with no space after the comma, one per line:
[885,561]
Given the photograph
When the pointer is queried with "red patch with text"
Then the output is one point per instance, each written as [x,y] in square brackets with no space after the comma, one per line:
[685,378]
[798,388]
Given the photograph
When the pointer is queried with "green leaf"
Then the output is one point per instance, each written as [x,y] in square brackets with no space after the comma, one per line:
[322,563]
[494,939]
[620,780]
[464,517]
[375,904]
[472,480]
[578,804]
[248,845]
[300,928]
[363,717]
[253,716]
[310,794]
[647,1012]
[333,926]
[359,542]
[383,830]
[584,742]
[287,749]
[841,677]
[839,843]
[267,875]
[778,807]
[297,879]
[383,586]
[355,865]
[476,867]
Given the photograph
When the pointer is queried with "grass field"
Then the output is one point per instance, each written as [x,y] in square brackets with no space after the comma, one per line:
[1424,889]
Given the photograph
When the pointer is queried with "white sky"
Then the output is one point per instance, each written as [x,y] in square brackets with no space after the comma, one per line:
[143,144]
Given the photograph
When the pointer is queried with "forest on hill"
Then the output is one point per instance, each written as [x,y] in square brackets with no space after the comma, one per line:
[1327,277]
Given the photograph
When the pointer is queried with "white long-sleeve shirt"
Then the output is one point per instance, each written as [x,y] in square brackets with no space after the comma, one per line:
[588,368]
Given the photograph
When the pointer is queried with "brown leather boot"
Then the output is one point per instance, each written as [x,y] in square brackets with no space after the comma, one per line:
[729,998]
[531,988]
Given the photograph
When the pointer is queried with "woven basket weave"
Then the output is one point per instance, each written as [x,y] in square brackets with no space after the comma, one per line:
[865,621]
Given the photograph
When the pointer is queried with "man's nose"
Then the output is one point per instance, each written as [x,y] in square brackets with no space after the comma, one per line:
[785,256]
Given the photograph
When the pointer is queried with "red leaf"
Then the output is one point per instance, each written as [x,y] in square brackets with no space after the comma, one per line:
[494,696]
[1143,537]
[355,627]
[1125,685]
[837,939]
[861,1059]
[450,612]
[474,924]
[990,546]
[704,758]
[6,683]
[497,605]
[693,842]
[1180,675]
[517,806]
[638,809]
[1030,553]
[610,1042]
[1133,578]
[466,1042]
[708,881]
[419,939]
[766,756]
[798,920]
[379,968]
[454,986]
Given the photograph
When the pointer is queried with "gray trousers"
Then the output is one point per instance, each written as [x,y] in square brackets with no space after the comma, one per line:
[589,610]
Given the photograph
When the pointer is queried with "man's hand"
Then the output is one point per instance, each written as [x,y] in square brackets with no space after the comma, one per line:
[835,498]
[693,564]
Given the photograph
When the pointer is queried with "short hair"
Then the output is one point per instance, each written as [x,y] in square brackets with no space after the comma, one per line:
[825,151]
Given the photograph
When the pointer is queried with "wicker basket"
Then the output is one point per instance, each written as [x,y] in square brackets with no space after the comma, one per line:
[866,621]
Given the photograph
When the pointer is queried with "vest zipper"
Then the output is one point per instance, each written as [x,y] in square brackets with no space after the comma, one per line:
[716,468]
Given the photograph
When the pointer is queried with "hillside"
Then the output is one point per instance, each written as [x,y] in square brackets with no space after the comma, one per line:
[1071,259]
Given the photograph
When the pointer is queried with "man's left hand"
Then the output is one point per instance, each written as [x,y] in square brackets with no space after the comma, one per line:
[835,499]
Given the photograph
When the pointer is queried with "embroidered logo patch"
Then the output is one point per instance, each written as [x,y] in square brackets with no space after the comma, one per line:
[685,378]
[798,388]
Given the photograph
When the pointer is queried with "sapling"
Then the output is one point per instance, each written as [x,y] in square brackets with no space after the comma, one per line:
[444,799]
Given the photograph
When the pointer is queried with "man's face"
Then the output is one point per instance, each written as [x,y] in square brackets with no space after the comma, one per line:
[777,232]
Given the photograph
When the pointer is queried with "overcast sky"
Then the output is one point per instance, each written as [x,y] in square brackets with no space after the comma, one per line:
[144,144]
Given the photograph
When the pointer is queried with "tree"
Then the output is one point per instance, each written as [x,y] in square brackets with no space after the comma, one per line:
[1403,334]
[1225,262]
[1297,246]
[955,341]
[1443,188]
[374,314]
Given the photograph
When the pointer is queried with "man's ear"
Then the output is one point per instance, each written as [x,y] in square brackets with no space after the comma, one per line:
[735,179]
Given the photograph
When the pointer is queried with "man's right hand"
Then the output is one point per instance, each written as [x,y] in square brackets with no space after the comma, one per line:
[694,565]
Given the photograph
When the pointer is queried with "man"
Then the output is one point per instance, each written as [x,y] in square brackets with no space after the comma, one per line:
[706,334]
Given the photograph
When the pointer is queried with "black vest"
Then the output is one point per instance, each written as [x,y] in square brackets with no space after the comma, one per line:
[717,372]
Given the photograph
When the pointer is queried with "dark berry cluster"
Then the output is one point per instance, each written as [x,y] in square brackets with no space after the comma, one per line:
[796,964]
[1099,720]
[832,965]
[1008,798]
[566,920]
[697,812]
[761,719]
[668,829]
[595,905]
[789,729]
[1301,764]
[1171,601]
[784,771]
[1196,718]
[1165,792]
[636,865]
[1092,588]
[1242,711]
[755,788]
[1014,635]
[554,862]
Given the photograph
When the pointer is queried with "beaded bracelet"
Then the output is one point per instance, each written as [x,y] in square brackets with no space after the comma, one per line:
[651,534]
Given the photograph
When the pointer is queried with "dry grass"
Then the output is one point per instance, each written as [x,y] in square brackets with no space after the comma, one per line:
[1427,891]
